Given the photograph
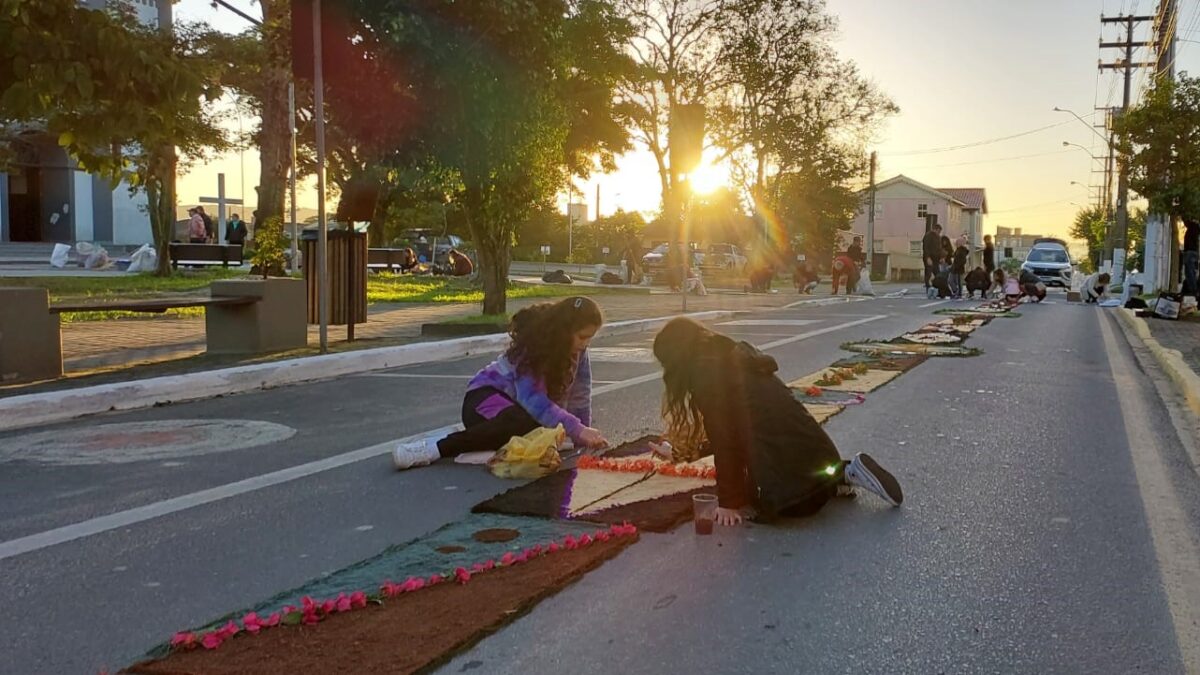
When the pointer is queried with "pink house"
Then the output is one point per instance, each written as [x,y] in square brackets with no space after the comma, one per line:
[901,209]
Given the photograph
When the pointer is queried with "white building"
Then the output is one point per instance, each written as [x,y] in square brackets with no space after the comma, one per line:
[45,197]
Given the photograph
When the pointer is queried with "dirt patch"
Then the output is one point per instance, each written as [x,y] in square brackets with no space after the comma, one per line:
[447,550]
[495,535]
[407,634]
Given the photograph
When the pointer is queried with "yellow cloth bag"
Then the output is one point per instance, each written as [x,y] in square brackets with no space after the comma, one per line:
[530,456]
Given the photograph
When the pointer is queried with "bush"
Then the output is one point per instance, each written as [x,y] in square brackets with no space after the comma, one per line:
[269,244]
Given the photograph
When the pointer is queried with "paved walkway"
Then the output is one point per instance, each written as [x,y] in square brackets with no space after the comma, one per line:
[123,343]
[1182,336]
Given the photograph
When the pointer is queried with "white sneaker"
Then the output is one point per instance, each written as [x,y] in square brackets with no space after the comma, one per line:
[864,472]
[420,452]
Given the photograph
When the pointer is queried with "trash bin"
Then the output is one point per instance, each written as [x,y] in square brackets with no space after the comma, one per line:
[347,262]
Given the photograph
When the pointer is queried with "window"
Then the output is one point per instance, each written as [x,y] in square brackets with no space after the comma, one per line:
[879,208]
[922,210]
[914,248]
[878,246]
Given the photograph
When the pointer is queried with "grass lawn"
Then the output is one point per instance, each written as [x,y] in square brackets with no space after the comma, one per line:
[385,287]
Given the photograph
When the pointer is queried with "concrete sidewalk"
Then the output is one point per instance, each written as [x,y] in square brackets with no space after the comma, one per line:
[100,352]
[1176,347]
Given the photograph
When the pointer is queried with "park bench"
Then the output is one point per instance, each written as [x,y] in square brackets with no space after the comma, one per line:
[242,316]
[204,254]
[385,258]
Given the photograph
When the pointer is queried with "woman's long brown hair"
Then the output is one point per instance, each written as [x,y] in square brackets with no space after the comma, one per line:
[542,335]
[679,347]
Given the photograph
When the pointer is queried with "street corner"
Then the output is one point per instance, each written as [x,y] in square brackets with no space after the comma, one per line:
[141,441]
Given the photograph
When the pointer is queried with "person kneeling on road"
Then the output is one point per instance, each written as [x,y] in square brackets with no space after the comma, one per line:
[1095,287]
[773,459]
[1032,287]
[543,379]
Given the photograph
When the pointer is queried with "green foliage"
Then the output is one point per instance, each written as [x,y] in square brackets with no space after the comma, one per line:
[269,246]
[1091,226]
[120,97]
[1162,137]
[1011,265]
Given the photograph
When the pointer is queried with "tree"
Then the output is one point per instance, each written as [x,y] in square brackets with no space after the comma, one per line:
[115,94]
[675,46]
[1091,226]
[1161,138]
[500,84]
[794,119]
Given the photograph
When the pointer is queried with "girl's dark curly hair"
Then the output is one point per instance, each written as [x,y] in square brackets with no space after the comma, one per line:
[542,335]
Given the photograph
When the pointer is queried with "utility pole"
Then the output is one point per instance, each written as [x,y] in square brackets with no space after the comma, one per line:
[322,224]
[1117,238]
[1162,236]
[871,218]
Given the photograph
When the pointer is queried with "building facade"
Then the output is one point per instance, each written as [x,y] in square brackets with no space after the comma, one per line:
[46,197]
[905,208]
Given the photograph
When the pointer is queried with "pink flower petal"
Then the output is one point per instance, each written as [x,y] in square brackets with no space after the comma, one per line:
[212,641]
[585,540]
[436,579]
[507,558]
[462,575]
[553,548]
[273,620]
[358,599]
[342,604]
[184,638]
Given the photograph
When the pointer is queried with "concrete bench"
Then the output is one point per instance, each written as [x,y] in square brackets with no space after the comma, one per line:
[242,316]
[204,254]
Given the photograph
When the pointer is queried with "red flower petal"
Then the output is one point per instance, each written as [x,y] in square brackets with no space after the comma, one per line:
[462,575]
[507,558]
[273,620]
[358,599]
[436,579]
[183,639]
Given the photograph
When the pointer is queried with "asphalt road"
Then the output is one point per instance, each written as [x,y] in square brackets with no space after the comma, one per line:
[1049,525]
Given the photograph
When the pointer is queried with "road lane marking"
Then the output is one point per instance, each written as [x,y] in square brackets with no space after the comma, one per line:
[769,322]
[1176,551]
[933,304]
[133,516]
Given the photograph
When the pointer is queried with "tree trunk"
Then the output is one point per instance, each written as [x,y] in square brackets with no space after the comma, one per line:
[493,272]
[274,136]
[375,233]
[160,206]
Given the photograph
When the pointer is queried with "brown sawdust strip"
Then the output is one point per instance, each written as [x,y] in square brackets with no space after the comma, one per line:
[414,632]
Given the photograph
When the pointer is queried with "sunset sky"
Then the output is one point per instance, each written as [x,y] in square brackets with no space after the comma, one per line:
[964,73]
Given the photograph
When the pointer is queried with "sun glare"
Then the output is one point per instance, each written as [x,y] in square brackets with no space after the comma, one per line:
[707,178]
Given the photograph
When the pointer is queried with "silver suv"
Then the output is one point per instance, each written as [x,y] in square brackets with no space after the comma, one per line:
[1049,261]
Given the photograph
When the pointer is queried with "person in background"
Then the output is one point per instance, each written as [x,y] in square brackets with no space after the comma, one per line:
[1191,257]
[773,459]
[947,252]
[989,255]
[845,268]
[543,379]
[1095,287]
[197,234]
[1031,286]
[1007,285]
[958,267]
[931,252]
[459,263]
[855,252]
[210,229]
[805,278]
[235,231]
[978,280]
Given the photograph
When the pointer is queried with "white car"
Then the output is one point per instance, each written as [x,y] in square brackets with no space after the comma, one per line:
[658,255]
[1050,262]
[726,256]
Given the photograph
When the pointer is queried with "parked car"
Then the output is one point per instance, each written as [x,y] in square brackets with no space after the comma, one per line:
[658,255]
[726,256]
[1050,261]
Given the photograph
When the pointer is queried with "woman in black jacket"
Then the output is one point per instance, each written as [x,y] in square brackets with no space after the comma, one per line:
[771,455]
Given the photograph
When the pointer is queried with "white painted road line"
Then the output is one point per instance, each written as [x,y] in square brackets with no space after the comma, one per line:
[931,304]
[1176,551]
[87,528]
[769,322]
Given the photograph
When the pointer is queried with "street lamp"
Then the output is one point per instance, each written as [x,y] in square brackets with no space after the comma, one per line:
[1083,122]
[1089,152]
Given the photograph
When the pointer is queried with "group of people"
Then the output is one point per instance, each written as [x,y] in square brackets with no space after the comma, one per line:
[722,398]
[202,229]
[945,263]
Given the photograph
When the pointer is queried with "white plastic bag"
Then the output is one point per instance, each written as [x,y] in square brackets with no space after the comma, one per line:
[58,257]
[864,284]
[145,259]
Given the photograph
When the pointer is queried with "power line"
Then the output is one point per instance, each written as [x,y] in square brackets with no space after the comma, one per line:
[988,161]
[976,144]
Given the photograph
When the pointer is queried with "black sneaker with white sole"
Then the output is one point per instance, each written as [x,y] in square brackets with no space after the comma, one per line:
[864,472]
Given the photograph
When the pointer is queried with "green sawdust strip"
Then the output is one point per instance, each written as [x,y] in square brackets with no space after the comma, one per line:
[862,382]
[420,558]
[886,348]
[898,362]
[414,632]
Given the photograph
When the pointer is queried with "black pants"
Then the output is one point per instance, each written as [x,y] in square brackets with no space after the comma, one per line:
[483,434]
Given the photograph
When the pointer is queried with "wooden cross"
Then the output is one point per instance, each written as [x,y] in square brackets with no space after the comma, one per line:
[220,200]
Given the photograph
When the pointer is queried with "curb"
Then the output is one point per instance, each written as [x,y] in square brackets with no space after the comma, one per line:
[57,406]
[1170,360]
